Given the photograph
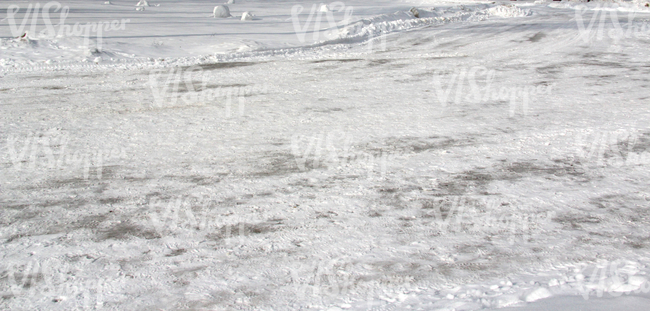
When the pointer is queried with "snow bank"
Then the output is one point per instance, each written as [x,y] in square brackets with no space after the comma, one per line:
[221,11]
[405,20]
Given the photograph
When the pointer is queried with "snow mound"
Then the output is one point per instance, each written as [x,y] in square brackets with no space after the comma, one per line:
[324,8]
[247,16]
[142,3]
[405,20]
[509,11]
[221,11]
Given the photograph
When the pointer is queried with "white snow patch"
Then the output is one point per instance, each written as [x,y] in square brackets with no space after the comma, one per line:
[142,3]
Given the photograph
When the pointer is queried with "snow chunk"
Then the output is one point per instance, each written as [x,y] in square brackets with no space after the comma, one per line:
[221,11]
[142,3]
[230,2]
[537,294]
[324,8]
[247,16]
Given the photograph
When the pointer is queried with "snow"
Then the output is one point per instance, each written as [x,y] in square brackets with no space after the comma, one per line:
[221,11]
[482,156]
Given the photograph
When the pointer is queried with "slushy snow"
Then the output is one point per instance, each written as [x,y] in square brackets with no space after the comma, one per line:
[482,156]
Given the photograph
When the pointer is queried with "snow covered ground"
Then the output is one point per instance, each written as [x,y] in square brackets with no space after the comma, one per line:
[486,155]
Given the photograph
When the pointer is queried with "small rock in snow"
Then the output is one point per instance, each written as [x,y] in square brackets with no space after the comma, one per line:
[415,12]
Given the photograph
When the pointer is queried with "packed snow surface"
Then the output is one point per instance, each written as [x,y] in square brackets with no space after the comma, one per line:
[479,155]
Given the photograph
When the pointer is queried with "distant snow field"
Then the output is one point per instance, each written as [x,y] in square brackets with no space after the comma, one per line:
[305,155]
